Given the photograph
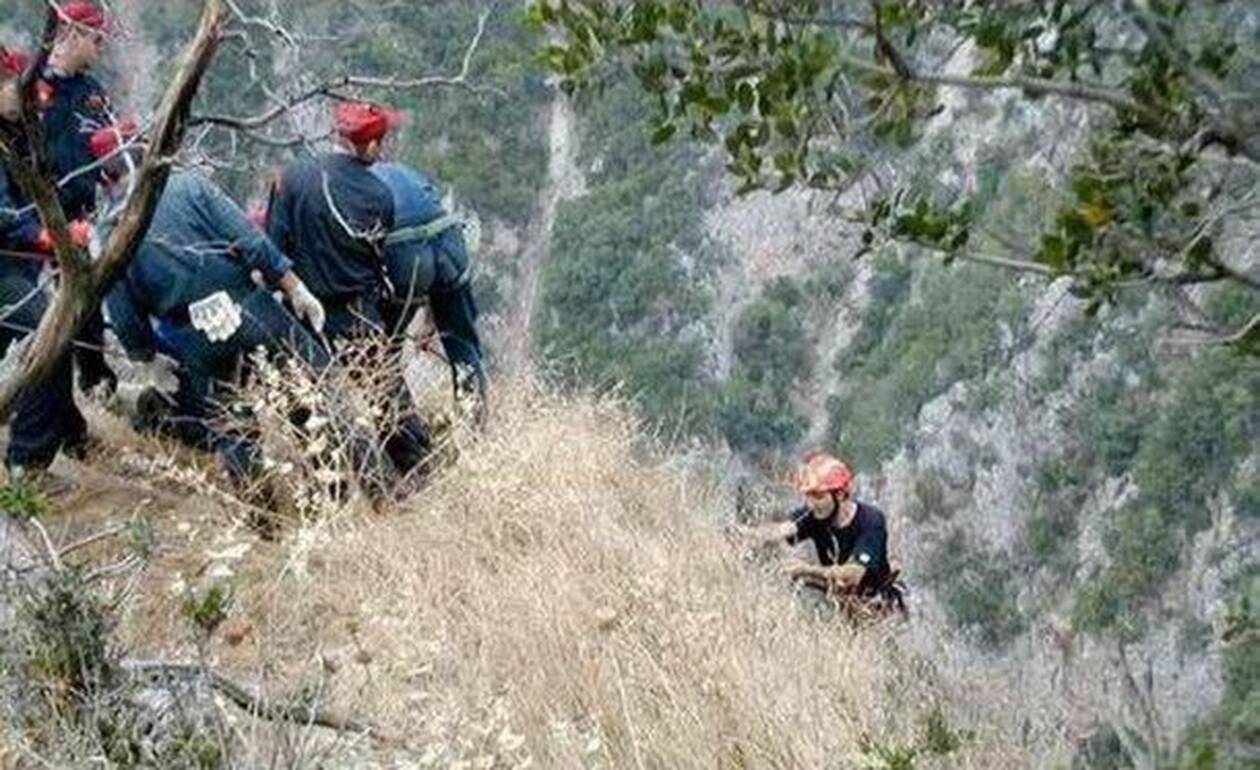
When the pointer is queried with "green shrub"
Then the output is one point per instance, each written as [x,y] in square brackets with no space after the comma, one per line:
[826,284]
[941,739]
[938,739]
[754,416]
[771,352]
[1050,531]
[1242,651]
[1110,424]
[1247,500]
[1233,305]
[930,498]
[1103,750]
[68,652]
[1182,443]
[617,303]
[1191,449]
[1231,733]
[22,501]
[1068,344]
[910,350]
[1145,548]
[977,590]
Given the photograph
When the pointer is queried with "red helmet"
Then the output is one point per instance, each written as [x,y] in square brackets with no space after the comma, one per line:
[84,13]
[821,473]
[363,122]
[13,61]
[105,141]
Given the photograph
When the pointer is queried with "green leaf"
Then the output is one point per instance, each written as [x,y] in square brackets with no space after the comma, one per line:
[1200,253]
[1053,253]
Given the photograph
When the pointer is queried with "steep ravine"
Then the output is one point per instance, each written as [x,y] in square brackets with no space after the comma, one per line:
[564,182]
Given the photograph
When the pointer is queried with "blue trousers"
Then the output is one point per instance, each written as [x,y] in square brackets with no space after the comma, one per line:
[455,316]
[208,369]
[45,417]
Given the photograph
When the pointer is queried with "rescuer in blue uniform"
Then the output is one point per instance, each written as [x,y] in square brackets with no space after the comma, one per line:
[330,214]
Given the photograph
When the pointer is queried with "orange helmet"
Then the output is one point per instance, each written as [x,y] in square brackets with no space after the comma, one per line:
[821,473]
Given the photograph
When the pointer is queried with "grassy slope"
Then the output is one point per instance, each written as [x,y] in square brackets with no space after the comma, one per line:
[555,595]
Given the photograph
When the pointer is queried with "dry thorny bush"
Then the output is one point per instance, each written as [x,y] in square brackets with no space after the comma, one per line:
[561,596]
[70,690]
[70,696]
[317,428]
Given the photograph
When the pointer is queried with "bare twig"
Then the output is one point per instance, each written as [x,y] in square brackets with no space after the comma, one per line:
[267,24]
[255,704]
[1247,334]
[333,87]
[121,567]
[104,534]
[49,553]
[993,260]
[1007,263]
[1075,90]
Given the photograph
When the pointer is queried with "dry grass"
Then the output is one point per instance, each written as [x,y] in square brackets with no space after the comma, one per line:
[561,598]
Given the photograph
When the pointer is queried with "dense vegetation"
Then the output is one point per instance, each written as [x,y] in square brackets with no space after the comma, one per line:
[912,348]
[772,354]
[624,287]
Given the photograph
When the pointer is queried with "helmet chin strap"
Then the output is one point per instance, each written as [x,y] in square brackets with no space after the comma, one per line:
[838,511]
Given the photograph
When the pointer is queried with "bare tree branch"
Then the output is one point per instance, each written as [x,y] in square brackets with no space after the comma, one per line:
[25,154]
[1247,335]
[333,89]
[900,69]
[267,24]
[250,702]
[1006,263]
[1234,134]
[1075,90]
[819,20]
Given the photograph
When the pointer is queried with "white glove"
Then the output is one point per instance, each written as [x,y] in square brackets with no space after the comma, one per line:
[158,374]
[306,307]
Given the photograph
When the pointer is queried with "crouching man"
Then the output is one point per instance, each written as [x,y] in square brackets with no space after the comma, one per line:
[191,279]
[850,538]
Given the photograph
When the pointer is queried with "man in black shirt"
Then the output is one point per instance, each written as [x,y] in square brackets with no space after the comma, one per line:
[331,215]
[851,538]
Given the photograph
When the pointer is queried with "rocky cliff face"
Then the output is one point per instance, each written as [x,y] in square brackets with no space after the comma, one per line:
[966,484]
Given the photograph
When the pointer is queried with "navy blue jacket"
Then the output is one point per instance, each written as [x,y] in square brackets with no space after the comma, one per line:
[199,243]
[336,263]
[78,106]
[19,227]
[417,266]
